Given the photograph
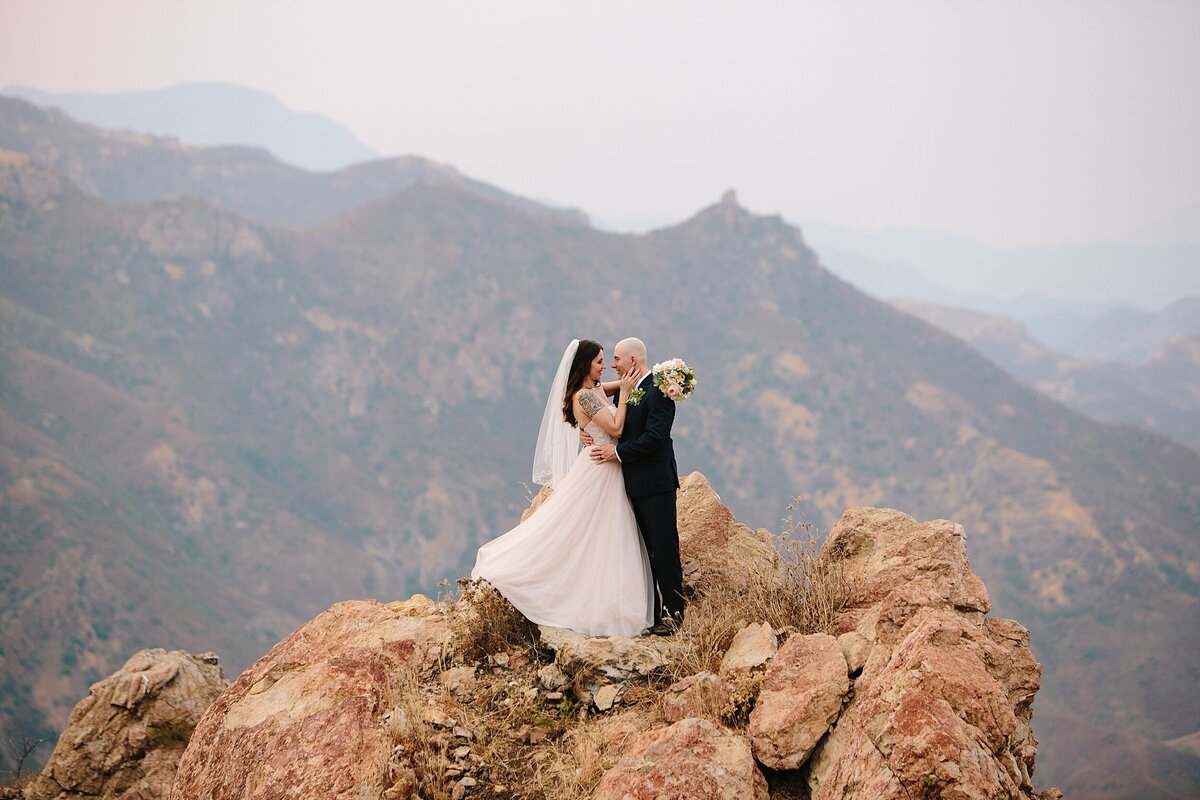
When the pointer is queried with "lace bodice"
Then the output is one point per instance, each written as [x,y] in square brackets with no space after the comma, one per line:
[598,434]
[593,405]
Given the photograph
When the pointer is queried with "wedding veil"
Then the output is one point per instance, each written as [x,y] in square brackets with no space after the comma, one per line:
[557,442]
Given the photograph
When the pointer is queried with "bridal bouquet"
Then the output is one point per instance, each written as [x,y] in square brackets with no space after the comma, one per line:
[675,379]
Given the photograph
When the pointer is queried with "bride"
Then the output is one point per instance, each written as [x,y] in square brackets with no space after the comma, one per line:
[578,562]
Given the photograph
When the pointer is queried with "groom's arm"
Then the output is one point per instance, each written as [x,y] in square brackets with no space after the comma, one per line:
[660,414]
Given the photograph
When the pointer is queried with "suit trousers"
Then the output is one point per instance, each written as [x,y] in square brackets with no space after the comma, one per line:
[655,515]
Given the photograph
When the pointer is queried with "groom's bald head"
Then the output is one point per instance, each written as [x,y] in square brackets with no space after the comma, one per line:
[633,347]
[628,354]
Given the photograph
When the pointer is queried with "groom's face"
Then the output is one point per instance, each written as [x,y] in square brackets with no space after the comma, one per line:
[623,362]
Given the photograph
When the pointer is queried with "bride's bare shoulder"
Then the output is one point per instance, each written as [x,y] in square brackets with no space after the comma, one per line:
[589,400]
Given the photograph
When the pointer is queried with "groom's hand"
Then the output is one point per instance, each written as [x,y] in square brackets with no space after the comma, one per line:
[585,438]
[604,452]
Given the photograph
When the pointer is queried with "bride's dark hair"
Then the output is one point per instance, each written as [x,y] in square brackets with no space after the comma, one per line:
[580,368]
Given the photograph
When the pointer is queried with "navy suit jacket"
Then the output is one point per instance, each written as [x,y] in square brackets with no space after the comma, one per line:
[647,457]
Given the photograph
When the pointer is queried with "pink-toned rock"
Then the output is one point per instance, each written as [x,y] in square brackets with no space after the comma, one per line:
[701,695]
[899,566]
[855,648]
[306,720]
[949,712]
[694,759]
[801,696]
[752,647]
[459,680]
[716,546]
[125,738]
[619,733]
[606,696]
[852,766]
[942,707]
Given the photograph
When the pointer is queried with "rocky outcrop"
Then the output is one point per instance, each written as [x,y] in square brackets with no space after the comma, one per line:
[910,691]
[942,706]
[899,566]
[308,718]
[693,758]
[712,544]
[124,740]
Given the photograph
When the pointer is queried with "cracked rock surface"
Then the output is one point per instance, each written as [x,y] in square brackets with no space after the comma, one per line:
[310,712]
[124,740]
[944,702]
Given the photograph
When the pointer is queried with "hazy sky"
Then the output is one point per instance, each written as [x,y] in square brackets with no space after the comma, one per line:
[1009,122]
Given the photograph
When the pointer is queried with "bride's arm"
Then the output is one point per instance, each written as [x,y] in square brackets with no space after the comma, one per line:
[612,423]
[607,389]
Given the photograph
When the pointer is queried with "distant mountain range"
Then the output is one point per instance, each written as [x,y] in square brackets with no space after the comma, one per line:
[214,114]
[948,270]
[1161,395]
[214,424]
[1133,337]
[931,267]
[124,168]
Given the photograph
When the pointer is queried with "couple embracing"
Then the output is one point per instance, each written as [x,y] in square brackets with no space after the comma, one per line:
[601,555]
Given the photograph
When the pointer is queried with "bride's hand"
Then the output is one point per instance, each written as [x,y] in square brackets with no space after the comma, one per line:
[628,381]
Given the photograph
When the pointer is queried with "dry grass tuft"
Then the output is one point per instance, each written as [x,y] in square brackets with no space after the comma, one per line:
[573,766]
[420,756]
[800,594]
[521,746]
[487,623]
[743,694]
[809,591]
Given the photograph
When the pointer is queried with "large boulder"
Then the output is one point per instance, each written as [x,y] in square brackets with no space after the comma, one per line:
[943,704]
[752,647]
[694,759]
[124,740]
[306,720]
[715,546]
[898,566]
[801,696]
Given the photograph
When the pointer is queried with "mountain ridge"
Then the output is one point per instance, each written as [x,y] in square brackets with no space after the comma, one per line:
[936,268]
[1156,395]
[214,114]
[124,167]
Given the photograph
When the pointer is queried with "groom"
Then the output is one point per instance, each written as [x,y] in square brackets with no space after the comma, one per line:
[651,478]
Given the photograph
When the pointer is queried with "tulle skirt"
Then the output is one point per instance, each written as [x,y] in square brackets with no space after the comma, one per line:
[577,562]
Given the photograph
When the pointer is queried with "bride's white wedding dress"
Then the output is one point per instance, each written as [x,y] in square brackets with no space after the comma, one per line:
[577,562]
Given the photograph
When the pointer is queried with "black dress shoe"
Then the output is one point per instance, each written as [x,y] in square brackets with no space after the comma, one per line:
[665,627]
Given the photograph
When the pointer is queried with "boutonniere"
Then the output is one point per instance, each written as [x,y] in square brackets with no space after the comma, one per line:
[636,396]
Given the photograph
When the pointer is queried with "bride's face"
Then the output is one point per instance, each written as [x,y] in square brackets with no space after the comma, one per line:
[597,367]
